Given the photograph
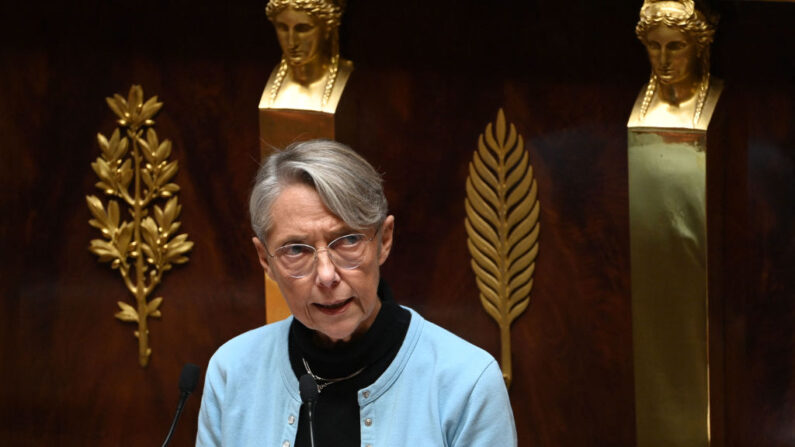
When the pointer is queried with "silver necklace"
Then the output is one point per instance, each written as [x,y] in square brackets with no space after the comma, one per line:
[323,382]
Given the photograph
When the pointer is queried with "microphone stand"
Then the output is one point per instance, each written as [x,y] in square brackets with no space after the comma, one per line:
[309,394]
[310,407]
[187,383]
[183,396]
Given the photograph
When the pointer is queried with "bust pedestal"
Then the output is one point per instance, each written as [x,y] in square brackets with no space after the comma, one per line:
[669,277]
[280,127]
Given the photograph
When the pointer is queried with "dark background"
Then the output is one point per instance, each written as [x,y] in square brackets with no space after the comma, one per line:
[429,77]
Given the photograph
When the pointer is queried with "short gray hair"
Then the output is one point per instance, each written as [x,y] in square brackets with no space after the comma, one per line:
[347,184]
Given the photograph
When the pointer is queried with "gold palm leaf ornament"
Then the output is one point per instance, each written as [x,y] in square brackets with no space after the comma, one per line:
[502,227]
[134,172]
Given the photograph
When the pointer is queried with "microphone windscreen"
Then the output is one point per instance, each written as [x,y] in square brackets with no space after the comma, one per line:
[308,388]
[189,378]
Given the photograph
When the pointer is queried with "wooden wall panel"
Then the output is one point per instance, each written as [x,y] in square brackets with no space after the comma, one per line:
[70,375]
[572,357]
[429,77]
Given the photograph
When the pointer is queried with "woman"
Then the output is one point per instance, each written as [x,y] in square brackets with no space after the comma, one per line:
[311,74]
[677,38]
[386,376]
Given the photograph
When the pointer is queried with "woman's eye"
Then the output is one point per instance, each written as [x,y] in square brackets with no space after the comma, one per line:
[294,250]
[351,239]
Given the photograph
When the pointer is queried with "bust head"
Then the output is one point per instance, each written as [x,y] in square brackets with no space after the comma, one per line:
[327,11]
[306,29]
[677,37]
[311,74]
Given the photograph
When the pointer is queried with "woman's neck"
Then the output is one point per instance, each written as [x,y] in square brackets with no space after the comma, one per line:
[385,334]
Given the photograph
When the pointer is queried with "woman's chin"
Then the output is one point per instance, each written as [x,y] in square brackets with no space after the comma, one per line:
[332,337]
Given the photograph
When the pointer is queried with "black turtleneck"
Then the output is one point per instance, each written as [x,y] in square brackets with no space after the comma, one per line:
[336,417]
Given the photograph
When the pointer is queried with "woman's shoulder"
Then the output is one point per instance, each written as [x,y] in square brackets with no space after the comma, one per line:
[448,349]
[253,344]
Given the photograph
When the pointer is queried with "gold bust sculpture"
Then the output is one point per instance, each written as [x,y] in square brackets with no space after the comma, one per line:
[311,74]
[680,92]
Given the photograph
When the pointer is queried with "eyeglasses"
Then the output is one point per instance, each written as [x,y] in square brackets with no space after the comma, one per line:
[299,260]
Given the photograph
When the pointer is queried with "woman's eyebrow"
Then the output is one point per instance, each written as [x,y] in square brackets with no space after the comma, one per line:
[302,238]
[291,239]
[344,231]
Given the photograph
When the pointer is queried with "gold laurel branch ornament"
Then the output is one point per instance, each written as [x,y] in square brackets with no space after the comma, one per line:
[502,227]
[134,172]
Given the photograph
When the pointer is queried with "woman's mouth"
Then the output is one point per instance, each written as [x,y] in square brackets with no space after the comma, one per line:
[334,308]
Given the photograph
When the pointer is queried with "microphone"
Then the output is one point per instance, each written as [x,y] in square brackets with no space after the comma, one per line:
[309,394]
[187,383]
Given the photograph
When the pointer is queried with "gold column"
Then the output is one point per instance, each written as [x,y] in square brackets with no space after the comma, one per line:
[668,245]
[667,159]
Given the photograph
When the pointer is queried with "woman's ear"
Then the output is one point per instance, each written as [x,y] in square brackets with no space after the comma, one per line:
[262,254]
[385,242]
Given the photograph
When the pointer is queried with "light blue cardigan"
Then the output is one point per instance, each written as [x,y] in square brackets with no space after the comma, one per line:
[439,391]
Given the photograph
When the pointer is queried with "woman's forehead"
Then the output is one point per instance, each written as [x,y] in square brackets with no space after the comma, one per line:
[298,212]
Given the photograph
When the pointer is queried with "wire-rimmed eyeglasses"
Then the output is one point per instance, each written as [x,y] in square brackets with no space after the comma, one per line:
[299,260]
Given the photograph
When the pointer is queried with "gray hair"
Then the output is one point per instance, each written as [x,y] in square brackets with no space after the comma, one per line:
[347,184]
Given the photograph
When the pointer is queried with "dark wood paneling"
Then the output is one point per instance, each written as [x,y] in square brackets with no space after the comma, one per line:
[429,77]
[70,376]
[760,342]
[572,355]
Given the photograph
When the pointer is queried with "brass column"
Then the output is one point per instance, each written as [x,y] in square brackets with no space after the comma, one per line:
[668,245]
[667,159]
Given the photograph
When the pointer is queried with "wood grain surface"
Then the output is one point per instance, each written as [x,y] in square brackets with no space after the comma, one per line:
[429,76]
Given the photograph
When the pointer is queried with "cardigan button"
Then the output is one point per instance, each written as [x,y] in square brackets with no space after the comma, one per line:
[291,420]
[286,444]
[366,394]
[368,422]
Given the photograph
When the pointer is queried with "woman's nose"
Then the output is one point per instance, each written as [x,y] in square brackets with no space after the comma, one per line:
[327,274]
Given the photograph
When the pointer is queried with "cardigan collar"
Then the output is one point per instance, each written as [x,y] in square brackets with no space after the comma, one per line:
[382,338]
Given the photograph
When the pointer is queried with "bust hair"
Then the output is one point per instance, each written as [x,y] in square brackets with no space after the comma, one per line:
[681,15]
[329,12]
[347,184]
